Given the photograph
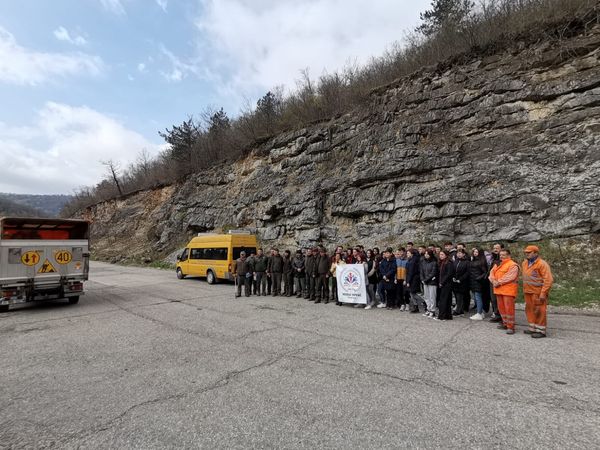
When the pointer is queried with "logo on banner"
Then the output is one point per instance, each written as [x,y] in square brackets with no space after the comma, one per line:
[351,280]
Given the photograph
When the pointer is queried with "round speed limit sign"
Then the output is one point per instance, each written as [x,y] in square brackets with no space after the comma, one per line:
[63,257]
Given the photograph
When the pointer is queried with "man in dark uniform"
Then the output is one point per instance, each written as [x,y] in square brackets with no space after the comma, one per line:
[310,268]
[260,272]
[298,270]
[323,265]
[253,284]
[269,279]
[242,274]
[275,271]
[288,274]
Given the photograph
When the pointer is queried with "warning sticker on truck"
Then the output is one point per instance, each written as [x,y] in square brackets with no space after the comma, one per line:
[63,256]
[30,258]
[47,267]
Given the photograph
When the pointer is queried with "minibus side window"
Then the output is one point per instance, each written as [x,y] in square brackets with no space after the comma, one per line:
[184,255]
[196,253]
[215,254]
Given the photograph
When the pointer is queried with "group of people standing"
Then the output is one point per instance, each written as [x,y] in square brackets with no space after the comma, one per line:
[441,280]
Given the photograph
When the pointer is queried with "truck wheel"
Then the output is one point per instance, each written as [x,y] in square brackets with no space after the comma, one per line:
[180,274]
[210,277]
[3,308]
[73,300]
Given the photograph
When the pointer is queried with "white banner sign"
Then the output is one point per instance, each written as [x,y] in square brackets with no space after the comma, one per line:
[351,283]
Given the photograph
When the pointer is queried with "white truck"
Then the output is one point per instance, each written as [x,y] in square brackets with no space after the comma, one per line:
[42,259]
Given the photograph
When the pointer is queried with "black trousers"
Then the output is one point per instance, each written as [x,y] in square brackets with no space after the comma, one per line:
[243,280]
[400,294]
[288,283]
[334,291]
[322,287]
[276,283]
[463,301]
[486,295]
[445,305]
[261,283]
[311,285]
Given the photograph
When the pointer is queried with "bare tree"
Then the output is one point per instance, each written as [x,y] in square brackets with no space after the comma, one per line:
[113,169]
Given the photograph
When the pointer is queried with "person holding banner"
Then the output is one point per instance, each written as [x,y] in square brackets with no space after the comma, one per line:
[360,259]
[338,261]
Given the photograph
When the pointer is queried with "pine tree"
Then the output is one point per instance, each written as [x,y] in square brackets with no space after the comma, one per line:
[445,14]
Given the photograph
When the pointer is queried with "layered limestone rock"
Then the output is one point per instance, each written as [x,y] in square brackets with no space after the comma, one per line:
[502,147]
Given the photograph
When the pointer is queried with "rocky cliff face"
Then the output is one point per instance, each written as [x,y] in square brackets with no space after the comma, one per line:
[501,147]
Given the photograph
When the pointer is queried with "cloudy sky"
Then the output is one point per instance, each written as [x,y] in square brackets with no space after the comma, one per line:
[82,81]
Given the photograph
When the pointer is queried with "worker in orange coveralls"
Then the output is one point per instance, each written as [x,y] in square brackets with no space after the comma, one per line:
[504,278]
[537,281]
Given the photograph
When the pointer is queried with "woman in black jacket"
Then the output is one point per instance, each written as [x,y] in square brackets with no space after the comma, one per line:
[478,280]
[460,283]
[428,273]
[445,286]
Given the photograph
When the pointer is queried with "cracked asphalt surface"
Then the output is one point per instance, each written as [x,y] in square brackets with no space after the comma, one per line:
[149,361]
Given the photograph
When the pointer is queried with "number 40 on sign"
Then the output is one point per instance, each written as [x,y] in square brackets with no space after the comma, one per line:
[63,257]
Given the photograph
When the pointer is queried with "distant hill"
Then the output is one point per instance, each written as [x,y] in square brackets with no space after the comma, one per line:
[10,208]
[33,205]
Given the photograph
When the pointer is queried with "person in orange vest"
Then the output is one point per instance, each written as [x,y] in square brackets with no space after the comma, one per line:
[537,281]
[504,278]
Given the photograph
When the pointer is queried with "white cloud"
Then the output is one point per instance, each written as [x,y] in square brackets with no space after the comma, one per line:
[114,6]
[62,34]
[63,148]
[163,4]
[19,65]
[180,68]
[141,67]
[258,44]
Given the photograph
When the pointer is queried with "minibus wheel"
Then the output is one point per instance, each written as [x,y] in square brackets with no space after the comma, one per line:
[180,274]
[210,277]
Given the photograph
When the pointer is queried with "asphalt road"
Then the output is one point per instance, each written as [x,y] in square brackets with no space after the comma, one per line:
[149,361]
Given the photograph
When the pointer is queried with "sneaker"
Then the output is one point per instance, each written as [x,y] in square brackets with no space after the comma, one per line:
[381,305]
[528,331]
[368,307]
[426,314]
[403,308]
[476,317]
[432,315]
[538,335]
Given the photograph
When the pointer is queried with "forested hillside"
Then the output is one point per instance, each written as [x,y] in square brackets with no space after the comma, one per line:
[34,205]
[11,208]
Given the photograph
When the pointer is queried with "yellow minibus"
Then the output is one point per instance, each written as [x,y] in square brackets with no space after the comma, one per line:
[212,255]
